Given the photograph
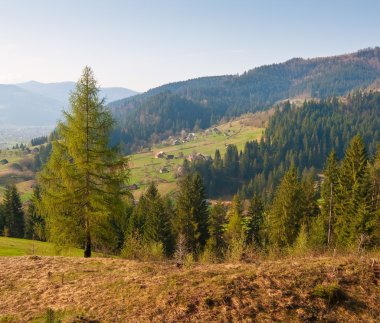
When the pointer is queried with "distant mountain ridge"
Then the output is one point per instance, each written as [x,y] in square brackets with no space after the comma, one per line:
[40,104]
[159,112]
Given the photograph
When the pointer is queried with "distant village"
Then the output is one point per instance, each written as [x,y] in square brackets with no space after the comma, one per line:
[178,170]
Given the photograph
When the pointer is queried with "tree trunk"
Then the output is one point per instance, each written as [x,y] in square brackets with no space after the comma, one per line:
[87,245]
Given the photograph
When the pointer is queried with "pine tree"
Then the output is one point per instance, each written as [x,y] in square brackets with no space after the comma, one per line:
[234,228]
[309,203]
[286,212]
[217,221]
[2,219]
[375,189]
[34,222]
[13,213]
[231,161]
[153,218]
[328,195]
[353,205]
[84,180]
[192,212]
[256,221]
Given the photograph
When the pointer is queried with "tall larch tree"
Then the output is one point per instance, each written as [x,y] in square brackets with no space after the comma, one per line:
[84,180]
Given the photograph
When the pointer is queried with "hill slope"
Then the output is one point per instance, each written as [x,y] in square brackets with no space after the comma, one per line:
[109,290]
[164,110]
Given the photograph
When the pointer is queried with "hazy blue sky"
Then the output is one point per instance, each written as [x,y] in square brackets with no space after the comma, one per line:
[142,44]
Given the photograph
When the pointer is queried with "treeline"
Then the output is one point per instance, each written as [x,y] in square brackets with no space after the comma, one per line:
[302,137]
[343,212]
[18,220]
[39,141]
[41,158]
[144,119]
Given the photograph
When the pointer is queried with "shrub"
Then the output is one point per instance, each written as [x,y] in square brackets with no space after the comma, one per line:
[300,246]
[235,250]
[331,293]
[136,249]
[189,261]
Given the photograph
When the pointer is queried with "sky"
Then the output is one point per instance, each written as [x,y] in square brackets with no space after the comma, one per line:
[142,44]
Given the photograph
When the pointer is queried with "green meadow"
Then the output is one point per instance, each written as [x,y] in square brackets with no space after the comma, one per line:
[146,168]
[22,247]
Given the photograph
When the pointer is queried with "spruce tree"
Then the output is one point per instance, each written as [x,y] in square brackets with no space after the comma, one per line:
[84,180]
[154,219]
[286,212]
[375,179]
[329,199]
[256,221]
[2,219]
[192,212]
[217,220]
[34,222]
[353,205]
[234,228]
[13,213]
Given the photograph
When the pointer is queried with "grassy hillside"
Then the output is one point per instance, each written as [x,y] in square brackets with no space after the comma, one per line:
[339,289]
[22,247]
[24,179]
[146,168]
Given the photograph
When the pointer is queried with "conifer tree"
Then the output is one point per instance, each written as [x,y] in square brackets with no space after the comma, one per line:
[192,212]
[353,206]
[309,203]
[329,198]
[2,219]
[234,227]
[153,219]
[256,221]
[13,213]
[84,180]
[376,196]
[217,220]
[231,161]
[286,212]
[34,222]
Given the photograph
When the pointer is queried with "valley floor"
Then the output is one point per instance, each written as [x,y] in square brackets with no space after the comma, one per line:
[115,290]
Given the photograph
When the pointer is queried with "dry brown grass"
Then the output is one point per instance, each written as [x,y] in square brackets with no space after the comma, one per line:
[115,290]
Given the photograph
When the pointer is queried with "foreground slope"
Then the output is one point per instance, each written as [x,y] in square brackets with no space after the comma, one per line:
[308,289]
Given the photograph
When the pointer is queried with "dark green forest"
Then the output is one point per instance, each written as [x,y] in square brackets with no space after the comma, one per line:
[299,136]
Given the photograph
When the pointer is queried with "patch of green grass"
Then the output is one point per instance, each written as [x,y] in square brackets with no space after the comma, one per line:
[22,247]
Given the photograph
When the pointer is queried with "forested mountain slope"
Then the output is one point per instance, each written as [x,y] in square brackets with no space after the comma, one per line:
[164,110]
[302,136]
